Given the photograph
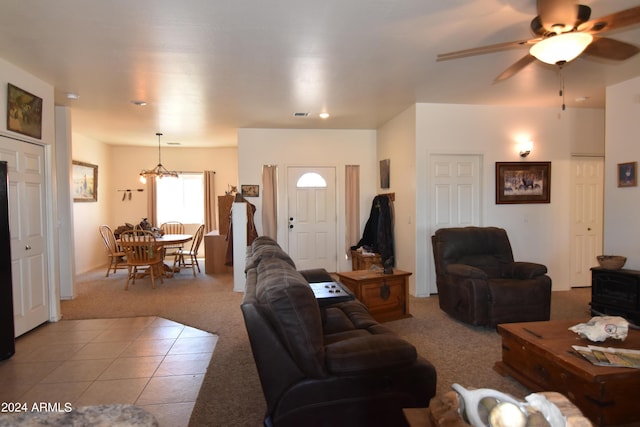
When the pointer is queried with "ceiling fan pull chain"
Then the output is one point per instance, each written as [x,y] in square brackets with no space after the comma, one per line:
[562,89]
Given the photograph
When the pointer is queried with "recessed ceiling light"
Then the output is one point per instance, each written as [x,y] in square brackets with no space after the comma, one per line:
[324,115]
[139,103]
[582,98]
[71,95]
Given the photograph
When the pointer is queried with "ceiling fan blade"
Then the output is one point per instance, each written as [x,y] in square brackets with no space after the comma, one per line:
[486,49]
[607,48]
[557,15]
[621,19]
[515,68]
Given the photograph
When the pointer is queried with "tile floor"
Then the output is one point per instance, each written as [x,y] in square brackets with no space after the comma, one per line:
[151,362]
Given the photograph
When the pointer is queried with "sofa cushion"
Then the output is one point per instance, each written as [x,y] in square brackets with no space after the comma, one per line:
[367,353]
[293,310]
[492,265]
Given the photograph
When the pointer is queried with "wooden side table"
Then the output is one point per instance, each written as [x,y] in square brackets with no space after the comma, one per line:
[385,295]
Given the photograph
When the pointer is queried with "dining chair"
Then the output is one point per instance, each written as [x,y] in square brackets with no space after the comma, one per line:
[115,253]
[172,227]
[191,254]
[142,250]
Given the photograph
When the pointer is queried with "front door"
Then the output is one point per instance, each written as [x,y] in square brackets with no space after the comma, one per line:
[587,178]
[27,227]
[311,216]
[455,188]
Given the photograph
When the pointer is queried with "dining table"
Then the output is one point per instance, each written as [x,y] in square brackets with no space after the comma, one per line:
[169,240]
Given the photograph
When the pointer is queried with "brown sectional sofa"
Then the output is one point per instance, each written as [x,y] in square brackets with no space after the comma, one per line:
[330,365]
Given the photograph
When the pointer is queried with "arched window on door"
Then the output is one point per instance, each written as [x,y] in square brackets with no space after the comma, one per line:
[311,180]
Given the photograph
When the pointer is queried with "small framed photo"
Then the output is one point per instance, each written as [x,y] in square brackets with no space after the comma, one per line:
[24,112]
[628,174]
[250,190]
[85,182]
[385,171]
[523,182]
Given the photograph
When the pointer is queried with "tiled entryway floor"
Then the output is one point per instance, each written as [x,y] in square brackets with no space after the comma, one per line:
[151,362]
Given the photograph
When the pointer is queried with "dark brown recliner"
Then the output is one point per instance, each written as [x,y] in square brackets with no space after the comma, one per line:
[479,282]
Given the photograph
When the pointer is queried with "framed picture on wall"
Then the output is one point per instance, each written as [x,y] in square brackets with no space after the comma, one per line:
[385,170]
[627,174]
[250,190]
[523,182]
[24,112]
[85,182]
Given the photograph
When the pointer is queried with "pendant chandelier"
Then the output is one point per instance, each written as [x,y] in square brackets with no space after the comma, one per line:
[159,171]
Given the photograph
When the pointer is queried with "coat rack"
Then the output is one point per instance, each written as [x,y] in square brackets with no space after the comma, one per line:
[128,192]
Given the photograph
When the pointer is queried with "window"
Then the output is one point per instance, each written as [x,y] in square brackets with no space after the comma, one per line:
[311,180]
[181,199]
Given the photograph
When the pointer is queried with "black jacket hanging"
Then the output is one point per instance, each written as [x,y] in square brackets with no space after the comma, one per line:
[378,231]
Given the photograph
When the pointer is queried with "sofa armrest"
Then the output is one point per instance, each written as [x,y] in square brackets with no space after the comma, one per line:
[361,354]
[316,275]
[466,271]
[526,270]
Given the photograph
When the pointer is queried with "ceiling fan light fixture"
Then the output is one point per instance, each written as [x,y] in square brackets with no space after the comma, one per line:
[159,171]
[562,48]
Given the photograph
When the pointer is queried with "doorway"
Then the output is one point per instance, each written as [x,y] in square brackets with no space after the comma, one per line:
[312,217]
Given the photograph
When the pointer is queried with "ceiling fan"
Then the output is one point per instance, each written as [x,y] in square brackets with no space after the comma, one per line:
[564,32]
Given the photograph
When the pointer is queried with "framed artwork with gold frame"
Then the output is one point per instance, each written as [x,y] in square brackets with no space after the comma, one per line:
[84,182]
[24,112]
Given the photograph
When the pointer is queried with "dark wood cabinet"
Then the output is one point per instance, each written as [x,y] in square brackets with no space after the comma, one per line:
[616,293]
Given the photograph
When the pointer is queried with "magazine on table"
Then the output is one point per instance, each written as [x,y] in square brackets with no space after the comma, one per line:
[610,356]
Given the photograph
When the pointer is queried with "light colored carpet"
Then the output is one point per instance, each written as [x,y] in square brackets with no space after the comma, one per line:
[231,393]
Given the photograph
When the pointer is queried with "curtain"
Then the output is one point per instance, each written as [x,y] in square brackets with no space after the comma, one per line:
[152,212]
[210,202]
[352,207]
[269,200]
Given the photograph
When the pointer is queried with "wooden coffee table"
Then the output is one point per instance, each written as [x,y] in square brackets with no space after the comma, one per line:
[539,355]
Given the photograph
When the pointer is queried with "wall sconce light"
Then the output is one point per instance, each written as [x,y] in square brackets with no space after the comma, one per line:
[525,148]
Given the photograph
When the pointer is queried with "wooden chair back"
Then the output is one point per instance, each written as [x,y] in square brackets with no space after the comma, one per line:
[142,250]
[141,247]
[172,227]
[109,239]
[197,240]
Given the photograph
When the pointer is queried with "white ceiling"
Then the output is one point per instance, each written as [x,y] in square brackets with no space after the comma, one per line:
[207,67]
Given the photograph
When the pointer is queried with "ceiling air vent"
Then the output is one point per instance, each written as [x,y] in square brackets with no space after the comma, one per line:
[300,114]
